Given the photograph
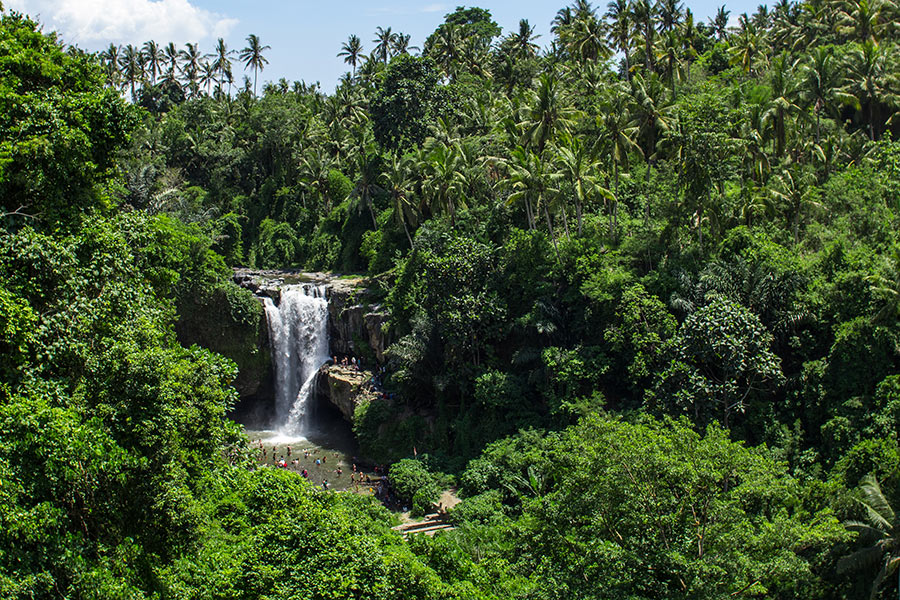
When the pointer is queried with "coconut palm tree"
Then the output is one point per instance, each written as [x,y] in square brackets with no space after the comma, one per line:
[443,180]
[580,167]
[130,67]
[533,182]
[207,76]
[252,56]
[668,57]
[796,193]
[652,113]
[588,39]
[352,52]
[616,140]
[618,13]
[880,534]
[368,168]
[171,60]
[861,20]
[819,85]
[446,49]
[783,102]
[670,13]
[221,61]
[747,45]
[719,23]
[869,80]
[400,44]
[522,41]
[153,59]
[384,40]
[190,67]
[643,14]
[109,58]
[691,38]
[398,181]
[548,112]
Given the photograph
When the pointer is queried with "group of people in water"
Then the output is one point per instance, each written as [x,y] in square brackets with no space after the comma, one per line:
[288,459]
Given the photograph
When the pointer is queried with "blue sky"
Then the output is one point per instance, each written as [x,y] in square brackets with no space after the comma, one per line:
[305,36]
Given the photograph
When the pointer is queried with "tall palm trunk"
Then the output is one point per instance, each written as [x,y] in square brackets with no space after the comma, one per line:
[578,214]
[552,236]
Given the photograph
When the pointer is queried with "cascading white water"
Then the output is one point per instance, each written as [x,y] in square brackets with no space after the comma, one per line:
[298,331]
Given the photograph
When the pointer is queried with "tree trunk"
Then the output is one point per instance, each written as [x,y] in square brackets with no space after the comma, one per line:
[871,121]
[614,212]
[372,213]
[552,237]
[406,231]
[578,214]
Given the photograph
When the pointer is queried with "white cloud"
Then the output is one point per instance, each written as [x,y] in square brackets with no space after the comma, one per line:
[86,22]
[434,8]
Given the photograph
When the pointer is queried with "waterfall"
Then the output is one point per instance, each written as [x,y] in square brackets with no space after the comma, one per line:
[298,330]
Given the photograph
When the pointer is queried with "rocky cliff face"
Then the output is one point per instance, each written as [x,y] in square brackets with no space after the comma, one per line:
[344,388]
[356,327]
[210,322]
[356,322]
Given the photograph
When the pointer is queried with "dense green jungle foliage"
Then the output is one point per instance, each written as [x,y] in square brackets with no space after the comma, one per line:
[644,290]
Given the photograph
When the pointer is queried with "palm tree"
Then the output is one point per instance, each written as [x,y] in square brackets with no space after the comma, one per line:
[130,67]
[820,84]
[881,534]
[719,23]
[533,183]
[207,75]
[445,50]
[782,104]
[761,18]
[861,20]
[668,56]
[313,169]
[670,12]
[398,180]
[548,112]
[153,57]
[797,194]
[221,62]
[352,52]
[588,39]
[652,113]
[869,80]
[690,39]
[442,181]
[109,58]
[171,59]
[252,56]
[747,45]
[618,12]
[400,44]
[616,139]
[885,286]
[522,41]
[190,67]
[368,169]
[384,40]
[578,165]
[643,14]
